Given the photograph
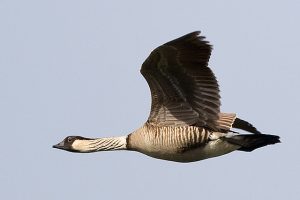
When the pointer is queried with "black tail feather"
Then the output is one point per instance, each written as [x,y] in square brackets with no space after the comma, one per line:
[251,142]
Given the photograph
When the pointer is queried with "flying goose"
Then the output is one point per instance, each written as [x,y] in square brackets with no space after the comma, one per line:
[185,123]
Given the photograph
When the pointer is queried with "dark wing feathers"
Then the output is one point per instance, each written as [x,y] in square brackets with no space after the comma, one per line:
[184,90]
[244,125]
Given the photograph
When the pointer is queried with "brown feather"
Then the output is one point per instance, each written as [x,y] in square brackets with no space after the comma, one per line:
[184,90]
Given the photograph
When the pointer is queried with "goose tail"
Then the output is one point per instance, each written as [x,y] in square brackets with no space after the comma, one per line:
[251,142]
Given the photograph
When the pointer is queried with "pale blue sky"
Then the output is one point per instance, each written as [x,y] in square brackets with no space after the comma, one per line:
[72,68]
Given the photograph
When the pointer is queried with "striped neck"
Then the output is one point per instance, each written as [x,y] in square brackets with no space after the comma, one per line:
[100,144]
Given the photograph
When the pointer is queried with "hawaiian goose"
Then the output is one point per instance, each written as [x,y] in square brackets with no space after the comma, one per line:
[185,123]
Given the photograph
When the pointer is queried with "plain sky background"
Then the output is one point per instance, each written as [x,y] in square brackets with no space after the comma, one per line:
[72,68]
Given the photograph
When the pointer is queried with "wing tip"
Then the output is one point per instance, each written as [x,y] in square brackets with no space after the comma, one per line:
[188,37]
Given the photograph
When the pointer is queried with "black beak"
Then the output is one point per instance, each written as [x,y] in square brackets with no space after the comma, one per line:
[59,145]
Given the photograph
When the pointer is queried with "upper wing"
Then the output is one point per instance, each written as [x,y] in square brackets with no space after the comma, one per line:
[184,90]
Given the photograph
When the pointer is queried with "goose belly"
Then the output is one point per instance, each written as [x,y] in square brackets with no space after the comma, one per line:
[211,149]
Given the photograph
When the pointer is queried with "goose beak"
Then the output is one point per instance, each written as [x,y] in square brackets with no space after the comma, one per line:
[59,145]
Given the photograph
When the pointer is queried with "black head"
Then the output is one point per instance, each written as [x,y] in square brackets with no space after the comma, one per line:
[67,143]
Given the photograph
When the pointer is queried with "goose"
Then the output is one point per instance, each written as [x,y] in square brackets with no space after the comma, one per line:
[185,123]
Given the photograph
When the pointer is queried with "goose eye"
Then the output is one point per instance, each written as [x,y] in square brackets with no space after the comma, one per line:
[69,139]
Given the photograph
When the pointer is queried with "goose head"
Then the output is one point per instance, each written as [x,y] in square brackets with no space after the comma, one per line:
[72,144]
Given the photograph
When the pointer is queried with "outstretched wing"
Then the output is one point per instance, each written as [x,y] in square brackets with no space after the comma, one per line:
[184,90]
